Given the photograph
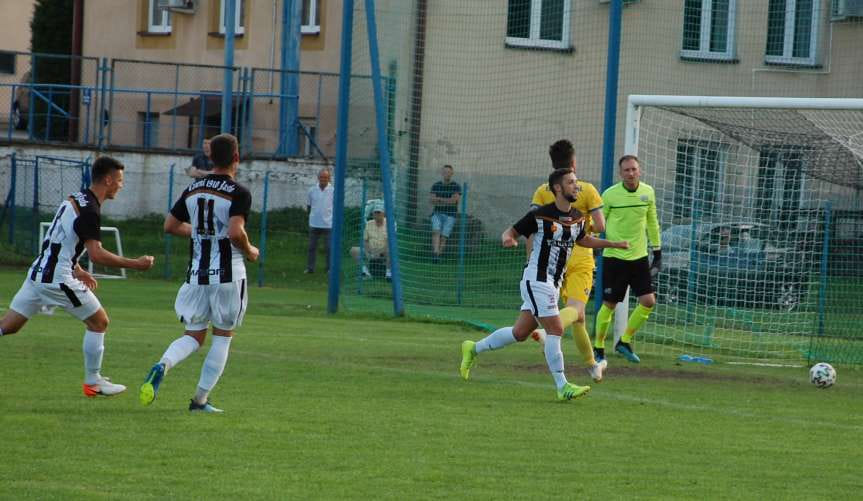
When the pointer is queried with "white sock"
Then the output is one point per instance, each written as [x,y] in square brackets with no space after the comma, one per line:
[94,347]
[213,367]
[366,270]
[554,358]
[496,340]
[181,348]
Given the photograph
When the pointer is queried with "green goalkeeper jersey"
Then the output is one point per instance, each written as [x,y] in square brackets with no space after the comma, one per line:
[630,216]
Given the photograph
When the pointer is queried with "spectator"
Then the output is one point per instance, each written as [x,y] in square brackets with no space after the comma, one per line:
[445,196]
[374,243]
[201,163]
[320,207]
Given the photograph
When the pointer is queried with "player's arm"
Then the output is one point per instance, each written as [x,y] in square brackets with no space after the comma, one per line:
[653,236]
[525,227]
[100,255]
[597,220]
[601,243]
[240,239]
[85,277]
[174,226]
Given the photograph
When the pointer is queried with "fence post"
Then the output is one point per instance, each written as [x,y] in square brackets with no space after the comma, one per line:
[12,190]
[362,236]
[262,241]
[111,104]
[103,74]
[822,283]
[250,116]
[31,124]
[10,126]
[34,226]
[147,123]
[167,272]
[462,233]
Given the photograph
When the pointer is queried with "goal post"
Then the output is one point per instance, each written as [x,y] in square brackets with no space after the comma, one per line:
[758,199]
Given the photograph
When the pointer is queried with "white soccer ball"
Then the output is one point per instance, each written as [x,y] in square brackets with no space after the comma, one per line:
[822,375]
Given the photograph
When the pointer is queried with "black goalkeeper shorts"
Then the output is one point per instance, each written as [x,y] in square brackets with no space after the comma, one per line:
[618,274]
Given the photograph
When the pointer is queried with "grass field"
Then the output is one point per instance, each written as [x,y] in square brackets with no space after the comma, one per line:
[321,407]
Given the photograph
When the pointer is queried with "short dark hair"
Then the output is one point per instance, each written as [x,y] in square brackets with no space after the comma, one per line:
[104,166]
[222,149]
[448,166]
[555,177]
[561,153]
[624,158]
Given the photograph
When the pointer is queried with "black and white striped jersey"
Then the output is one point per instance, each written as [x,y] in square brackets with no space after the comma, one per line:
[77,220]
[208,205]
[556,233]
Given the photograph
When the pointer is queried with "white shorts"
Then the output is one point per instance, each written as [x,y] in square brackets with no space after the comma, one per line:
[223,305]
[539,298]
[73,297]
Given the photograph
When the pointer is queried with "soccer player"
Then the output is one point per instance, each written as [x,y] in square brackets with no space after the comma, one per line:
[56,279]
[212,212]
[579,268]
[630,210]
[557,227]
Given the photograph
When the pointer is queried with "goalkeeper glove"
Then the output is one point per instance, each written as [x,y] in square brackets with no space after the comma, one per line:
[656,264]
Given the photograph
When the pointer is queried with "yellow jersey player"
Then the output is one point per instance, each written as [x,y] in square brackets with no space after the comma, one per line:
[579,268]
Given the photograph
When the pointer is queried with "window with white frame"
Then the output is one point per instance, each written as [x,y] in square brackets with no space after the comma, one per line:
[708,29]
[698,179]
[239,18]
[538,23]
[158,18]
[311,21]
[792,31]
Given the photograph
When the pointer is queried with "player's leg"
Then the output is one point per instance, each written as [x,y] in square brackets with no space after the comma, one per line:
[94,348]
[436,224]
[313,250]
[25,304]
[227,308]
[643,289]
[446,230]
[614,285]
[554,357]
[496,340]
[12,322]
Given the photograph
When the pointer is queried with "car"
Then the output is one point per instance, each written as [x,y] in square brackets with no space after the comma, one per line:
[21,104]
[740,263]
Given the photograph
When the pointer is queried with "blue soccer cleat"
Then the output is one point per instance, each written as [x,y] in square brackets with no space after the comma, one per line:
[598,354]
[151,384]
[626,350]
[205,407]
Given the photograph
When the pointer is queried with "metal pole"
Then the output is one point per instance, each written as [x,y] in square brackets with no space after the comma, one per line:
[611,75]
[34,226]
[289,83]
[168,241]
[822,285]
[12,189]
[228,85]
[462,235]
[262,241]
[341,156]
[384,152]
[362,247]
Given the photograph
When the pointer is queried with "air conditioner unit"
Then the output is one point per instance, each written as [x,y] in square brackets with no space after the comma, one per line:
[179,6]
[840,10]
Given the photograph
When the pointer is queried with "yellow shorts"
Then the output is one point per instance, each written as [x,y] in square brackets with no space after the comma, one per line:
[577,284]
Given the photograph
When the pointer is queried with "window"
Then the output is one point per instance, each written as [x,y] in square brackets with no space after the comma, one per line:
[780,184]
[307,137]
[698,178]
[239,17]
[538,23]
[311,23]
[792,31]
[158,18]
[7,62]
[148,129]
[708,29]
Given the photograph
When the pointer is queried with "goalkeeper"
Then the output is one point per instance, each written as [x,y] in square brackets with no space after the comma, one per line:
[579,268]
[630,209]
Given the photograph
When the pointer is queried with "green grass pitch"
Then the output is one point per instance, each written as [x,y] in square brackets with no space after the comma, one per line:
[341,407]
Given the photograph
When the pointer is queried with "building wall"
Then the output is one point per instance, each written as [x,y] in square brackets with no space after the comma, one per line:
[15,27]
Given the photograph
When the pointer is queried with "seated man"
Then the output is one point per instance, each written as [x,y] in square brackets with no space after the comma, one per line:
[374,242]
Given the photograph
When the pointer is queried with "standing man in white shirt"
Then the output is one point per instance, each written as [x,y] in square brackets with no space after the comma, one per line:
[320,207]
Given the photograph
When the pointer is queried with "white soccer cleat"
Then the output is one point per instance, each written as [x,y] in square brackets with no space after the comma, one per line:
[598,370]
[538,336]
[104,388]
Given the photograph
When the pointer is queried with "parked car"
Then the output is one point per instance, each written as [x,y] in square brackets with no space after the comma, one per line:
[734,263]
[21,104]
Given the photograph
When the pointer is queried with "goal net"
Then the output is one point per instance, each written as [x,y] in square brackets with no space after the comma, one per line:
[761,215]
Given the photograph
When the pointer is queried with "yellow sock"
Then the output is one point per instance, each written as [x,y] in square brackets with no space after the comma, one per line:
[603,318]
[568,315]
[582,341]
[636,320]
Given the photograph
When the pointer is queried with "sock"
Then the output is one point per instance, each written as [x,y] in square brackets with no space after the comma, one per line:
[603,318]
[1,332]
[94,347]
[366,270]
[496,340]
[636,320]
[568,316]
[213,367]
[554,358]
[582,341]
[181,348]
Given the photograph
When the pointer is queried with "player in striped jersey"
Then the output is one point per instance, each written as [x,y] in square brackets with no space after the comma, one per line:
[556,226]
[56,279]
[212,212]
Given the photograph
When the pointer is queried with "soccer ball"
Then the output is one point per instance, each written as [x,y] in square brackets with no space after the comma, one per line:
[822,375]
